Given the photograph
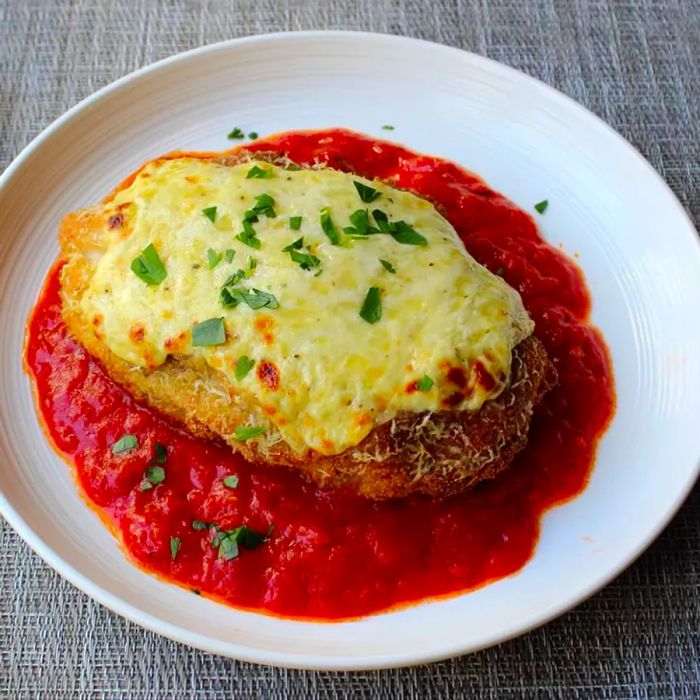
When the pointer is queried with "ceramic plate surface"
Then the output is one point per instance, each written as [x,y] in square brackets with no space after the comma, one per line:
[637,247]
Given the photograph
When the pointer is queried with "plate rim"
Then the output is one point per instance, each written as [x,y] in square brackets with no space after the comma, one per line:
[303,661]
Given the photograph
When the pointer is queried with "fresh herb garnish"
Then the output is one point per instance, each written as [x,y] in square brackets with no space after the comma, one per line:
[243,366]
[371,310]
[210,213]
[230,254]
[161,454]
[263,206]
[126,443]
[200,525]
[295,223]
[540,207]
[329,227]
[388,127]
[367,193]
[387,266]
[246,432]
[360,224]
[231,481]
[235,278]
[382,220]
[174,547]
[148,266]
[209,332]
[305,260]
[227,541]
[155,474]
[213,258]
[248,236]
[258,173]
[425,383]
[253,135]
[255,298]
[403,233]
[236,133]
[250,267]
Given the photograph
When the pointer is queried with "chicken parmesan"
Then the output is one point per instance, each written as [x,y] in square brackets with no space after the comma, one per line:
[293,311]
[162,312]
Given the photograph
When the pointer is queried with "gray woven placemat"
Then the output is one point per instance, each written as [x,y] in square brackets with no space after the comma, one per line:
[635,63]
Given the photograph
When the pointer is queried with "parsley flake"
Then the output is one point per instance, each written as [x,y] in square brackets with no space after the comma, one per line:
[329,227]
[367,193]
[231,481]
[388,127]
[256,172]
[255,298]
[246,432]
[425,383]
[253,135]
[541,207]
[243,366]
[306,261]
[230,254]
[210,213]
[213,258]
[126,443]
[148,266]
[236,133]
[403,233]
[209,332]
[174,547]
[248,236]
[295,223]
[371,310]
[387,266]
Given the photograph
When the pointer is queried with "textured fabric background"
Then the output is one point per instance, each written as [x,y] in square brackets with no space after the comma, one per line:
[633,62]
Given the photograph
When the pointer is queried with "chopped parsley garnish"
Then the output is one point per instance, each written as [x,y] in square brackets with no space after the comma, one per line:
[161,454]
[425,383]
[148,266]
[230,254]
[236,133]
[387,266]
[253,135]
[540,207]
[403,233]
[263,206]
[250,267]
[210,213]
[126,443]
[371,310]
[200,525]
[329,227]
[243,366]
[360,224]
[246,432]
[235,278]
[248,236]
[155,474]
[388,127]
[256,172]
[174,547]
[213,258]
[255,298]
[295,223]
[367,193]
[231,481]
[227,541]
[250,215]
[382,220]
[305,260]
[209,332]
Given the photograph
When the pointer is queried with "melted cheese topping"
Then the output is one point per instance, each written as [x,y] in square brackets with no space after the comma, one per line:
[323,375]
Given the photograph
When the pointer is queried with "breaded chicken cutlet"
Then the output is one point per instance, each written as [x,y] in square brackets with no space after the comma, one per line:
[230,294]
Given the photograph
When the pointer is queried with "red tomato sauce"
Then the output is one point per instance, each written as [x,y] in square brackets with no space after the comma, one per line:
[333,555]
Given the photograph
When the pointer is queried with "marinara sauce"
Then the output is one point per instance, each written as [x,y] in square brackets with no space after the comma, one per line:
[332,555]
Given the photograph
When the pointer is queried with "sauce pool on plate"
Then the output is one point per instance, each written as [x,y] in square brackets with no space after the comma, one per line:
[331,555]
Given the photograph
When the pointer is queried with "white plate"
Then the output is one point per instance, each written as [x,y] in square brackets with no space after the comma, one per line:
[638,249]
